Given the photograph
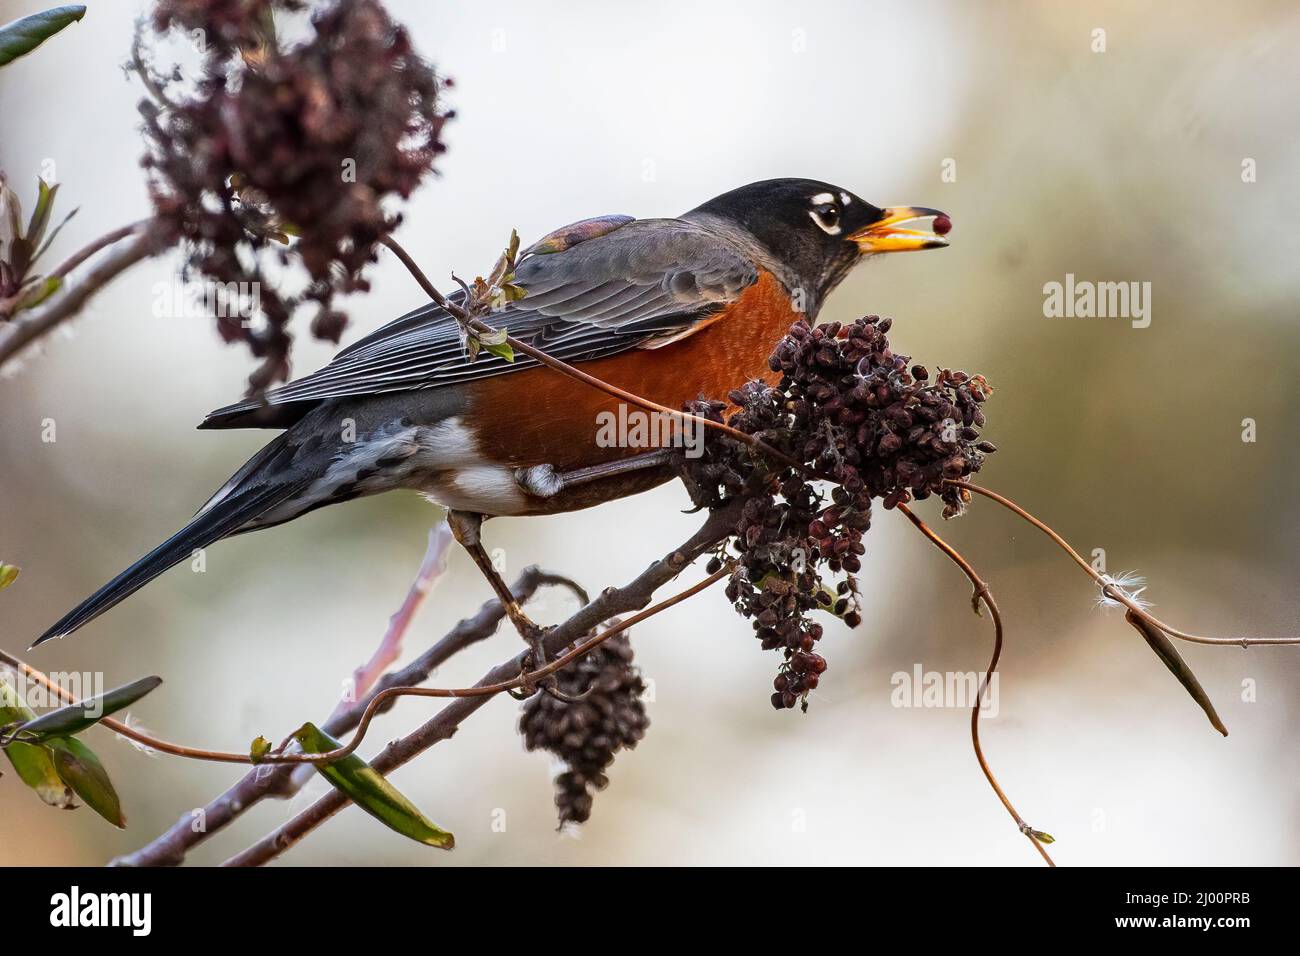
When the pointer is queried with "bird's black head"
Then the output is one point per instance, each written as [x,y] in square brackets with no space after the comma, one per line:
[817,231]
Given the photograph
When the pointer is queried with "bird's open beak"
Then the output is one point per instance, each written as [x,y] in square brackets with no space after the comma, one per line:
[887,235]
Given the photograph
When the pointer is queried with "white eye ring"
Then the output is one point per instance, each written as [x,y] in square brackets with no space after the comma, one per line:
[827,217]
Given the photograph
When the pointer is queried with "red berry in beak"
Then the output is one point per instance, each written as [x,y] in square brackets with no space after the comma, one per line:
[942,225]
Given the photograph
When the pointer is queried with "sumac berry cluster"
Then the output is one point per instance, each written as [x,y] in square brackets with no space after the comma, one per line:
[866,424]
[313,140]
[587,733]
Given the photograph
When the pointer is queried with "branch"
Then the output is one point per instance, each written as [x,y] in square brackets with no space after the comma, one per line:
[441,726]
[390,646]
[18,333]
[982,593]
[169,848]
[471,321]
[1108,587]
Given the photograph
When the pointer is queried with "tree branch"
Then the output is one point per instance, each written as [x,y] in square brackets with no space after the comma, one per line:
[170,847]
[982,593]
[441,726]
[17,334]
[1108,586]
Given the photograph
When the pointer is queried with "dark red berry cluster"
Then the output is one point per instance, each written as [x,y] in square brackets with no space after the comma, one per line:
[865,424]
[287,156]
[586,733]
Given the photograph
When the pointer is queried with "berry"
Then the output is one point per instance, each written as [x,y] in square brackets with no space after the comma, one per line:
[586,734]
[850,407]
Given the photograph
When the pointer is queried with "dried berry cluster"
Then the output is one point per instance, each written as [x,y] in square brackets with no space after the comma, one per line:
[308,141]
[870,424]
[588,732]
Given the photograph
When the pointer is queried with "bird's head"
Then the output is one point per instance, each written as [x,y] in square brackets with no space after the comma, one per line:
[818,232]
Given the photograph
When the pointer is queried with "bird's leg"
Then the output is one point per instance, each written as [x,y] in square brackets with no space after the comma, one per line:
[620,466]
[543,481]
[465,527]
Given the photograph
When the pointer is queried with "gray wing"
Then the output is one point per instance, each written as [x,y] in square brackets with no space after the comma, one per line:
[641,283]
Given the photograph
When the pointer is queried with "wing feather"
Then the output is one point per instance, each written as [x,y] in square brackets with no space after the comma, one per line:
[627,289]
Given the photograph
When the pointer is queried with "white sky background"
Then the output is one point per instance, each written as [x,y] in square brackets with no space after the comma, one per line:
[579,109]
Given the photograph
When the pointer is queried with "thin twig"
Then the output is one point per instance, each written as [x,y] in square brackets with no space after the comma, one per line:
[1107,587]
[523,680]
[29,326]
[170,847]
[608,604]
[466,318]
[491,689]
[984,594]
[389,650]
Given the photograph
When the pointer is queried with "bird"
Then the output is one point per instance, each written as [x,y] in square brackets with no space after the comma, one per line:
[669,309]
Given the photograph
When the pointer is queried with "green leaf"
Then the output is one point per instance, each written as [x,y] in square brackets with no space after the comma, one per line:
[258,749]
[23,36]
[368,789]
[1168,654]
[8,574]
[1043,837]
[38,291]
[41,214]
[34,764]
[85,713]
[81,770]
[491,336]
[502,349]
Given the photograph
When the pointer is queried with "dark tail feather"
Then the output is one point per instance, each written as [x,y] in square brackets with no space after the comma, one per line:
[220,520]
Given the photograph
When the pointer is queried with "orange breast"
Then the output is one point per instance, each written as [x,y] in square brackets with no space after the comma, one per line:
[541,416]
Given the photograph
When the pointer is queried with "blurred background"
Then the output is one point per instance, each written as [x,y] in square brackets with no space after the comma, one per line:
[1052,157]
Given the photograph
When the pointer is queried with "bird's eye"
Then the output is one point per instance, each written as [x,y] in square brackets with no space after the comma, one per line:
[827,216]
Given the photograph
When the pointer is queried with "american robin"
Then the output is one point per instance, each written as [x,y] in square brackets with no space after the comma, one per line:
[668,309]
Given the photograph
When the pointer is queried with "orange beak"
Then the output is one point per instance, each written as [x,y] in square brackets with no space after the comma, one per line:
[888,235]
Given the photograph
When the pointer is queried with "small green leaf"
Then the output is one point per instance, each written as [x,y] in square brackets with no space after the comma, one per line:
[38,291]
[8,574]
[23,36]
[502,349]
[41,214]
[491,336]
[1043,837]
[34,764]
[258,749]
[81,770]
[86,713]
[1169,656]
[369,790]
[12,707]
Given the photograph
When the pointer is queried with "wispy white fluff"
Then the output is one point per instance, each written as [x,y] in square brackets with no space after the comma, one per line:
[1128,583]
[134,723]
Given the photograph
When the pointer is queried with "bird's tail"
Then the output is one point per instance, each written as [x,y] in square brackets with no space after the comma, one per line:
[217,520]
